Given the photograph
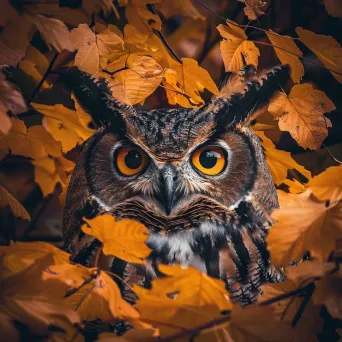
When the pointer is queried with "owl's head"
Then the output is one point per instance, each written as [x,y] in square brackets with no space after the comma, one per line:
[174,168]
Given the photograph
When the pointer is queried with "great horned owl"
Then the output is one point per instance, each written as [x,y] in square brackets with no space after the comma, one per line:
[196,178]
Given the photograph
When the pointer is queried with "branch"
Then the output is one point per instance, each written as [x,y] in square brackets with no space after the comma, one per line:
[162,37]
[198,329]
[47,72]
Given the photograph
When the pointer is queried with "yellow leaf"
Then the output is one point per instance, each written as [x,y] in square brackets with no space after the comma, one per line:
[11,101]
[305,225]
[334,8]
[295,187]
[287,43]
[279,161]
[54,32]
[34,143]
[192,80]
[20,255]
[326,48]
[124,239]
[141,80]
[87,57]
[30,69]
[49,172]
[235,45]
[139,16]
[302,114]
[179,7]
[133,36]
[63,124]
[327,186]
[107,40]
[17,209]
[189,298]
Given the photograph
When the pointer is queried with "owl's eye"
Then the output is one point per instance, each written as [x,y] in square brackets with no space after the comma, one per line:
[210,160]
[131,160]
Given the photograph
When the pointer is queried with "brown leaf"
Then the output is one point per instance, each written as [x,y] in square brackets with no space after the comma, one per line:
[179,7]
[280,161]
[326,48]
[17,209]
[302,114]
[54,32]
[327,186]
[235,45]
[254,8]
[287,43]
[305,225]
[334,8]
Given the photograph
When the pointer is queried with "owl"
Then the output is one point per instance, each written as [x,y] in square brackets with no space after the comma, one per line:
[196,178]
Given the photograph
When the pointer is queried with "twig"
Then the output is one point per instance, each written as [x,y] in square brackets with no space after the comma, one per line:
[75,289]
[198,329]
[301,57]
[47,72]
[303,305]
[162,37]
[331,155]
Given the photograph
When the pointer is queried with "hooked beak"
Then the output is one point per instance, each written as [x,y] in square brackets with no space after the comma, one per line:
[167,188]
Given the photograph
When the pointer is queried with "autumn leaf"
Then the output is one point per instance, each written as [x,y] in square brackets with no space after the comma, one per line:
[249,324]
[139,16]
[141,79]
[279,162]
[326,48]
[54,32]
[87,57]
[301,113]
[11,101]
[124,239]
[17,209]
[234,45]
[63,124]
[295,187]
[333,7]
[254,8]
[49,172]
[305,225]
[327,186]
[132,335]
[34,142]
[290,56]
[192,80]
[189,298]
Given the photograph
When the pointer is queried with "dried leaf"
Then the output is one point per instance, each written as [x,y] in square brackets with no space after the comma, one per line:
[179,7]
[254,8]
[287,43]
[295,187]
[87,57]
[326,48]
[54,32]
[279,161]
[235,45]
[305,225]
[189,298]
[302,114]
[139,16]
[17,209]
[334,8]
[124,239]
[63,124]
[11,101]
[191,79]
[327,186]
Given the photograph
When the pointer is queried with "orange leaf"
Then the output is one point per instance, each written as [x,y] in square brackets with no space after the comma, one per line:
[17,209]
[124,239]
[302,114]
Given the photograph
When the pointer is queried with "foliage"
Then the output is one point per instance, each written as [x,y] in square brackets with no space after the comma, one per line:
[51,298]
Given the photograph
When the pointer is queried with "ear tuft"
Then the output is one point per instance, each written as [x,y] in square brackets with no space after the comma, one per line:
[95,98]
[244,93]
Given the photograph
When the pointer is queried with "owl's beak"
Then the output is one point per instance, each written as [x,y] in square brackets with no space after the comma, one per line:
[168,176]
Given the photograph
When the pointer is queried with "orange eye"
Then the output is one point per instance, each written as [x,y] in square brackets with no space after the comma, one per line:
[131,160]
[210,160]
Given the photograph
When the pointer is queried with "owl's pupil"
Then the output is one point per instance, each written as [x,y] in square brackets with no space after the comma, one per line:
[133,159]
[208,159]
